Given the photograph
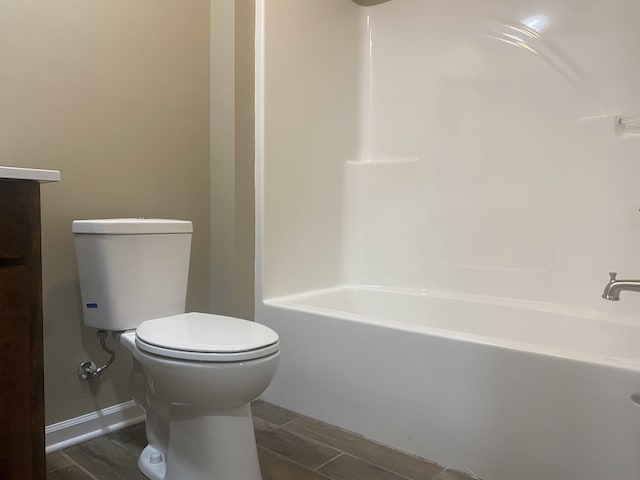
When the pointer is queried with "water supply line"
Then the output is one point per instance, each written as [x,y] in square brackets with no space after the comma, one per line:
[89,370]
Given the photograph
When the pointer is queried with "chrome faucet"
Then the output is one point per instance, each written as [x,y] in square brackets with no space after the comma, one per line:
[614,287]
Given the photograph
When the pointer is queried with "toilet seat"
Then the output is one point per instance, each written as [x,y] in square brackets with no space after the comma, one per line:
[207,338]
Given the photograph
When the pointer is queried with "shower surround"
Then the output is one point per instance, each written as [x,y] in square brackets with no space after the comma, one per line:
[442,188]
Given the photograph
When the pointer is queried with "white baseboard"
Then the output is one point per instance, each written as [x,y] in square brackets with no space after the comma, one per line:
[85,427]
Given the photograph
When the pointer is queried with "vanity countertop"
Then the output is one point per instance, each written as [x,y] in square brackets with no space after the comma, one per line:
[37,175]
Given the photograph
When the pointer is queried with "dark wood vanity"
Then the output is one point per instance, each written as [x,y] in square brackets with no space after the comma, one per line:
[22,450]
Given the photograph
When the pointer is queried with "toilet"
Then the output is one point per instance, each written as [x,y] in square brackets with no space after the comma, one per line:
[194,374]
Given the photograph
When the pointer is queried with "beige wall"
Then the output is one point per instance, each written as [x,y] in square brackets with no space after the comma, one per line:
[115,95]
[232,152]
[244,158]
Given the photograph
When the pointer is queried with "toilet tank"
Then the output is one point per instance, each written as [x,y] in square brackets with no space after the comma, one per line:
[131,269]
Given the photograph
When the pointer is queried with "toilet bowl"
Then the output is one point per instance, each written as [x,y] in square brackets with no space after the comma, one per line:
[194,374]
[198,373]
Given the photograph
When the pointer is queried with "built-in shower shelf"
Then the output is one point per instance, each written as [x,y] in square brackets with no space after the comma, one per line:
[384,161]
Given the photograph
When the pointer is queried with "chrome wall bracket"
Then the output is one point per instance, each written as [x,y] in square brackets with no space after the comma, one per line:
[89,370]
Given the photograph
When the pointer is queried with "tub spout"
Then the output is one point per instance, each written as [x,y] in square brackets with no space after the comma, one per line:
[614,287]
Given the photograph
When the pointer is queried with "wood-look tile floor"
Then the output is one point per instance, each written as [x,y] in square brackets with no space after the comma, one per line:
[290,447]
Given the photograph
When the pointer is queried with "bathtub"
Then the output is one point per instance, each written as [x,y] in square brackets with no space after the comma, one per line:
[495,387]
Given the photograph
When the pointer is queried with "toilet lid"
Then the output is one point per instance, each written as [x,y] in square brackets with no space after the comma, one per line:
[206,337]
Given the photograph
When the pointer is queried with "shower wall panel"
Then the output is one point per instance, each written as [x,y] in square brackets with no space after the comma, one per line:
[311,50]
[491,161]
[463,146]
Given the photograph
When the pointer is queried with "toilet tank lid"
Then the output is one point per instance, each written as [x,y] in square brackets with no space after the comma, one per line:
[131,226]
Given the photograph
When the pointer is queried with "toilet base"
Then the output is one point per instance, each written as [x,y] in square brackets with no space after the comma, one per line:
[215,445]
[212,445]
[152,464]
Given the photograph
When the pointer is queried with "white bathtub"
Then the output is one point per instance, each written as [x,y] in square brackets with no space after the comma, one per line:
[502,389]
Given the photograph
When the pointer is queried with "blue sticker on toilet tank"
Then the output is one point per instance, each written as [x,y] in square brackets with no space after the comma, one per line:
[92,305]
